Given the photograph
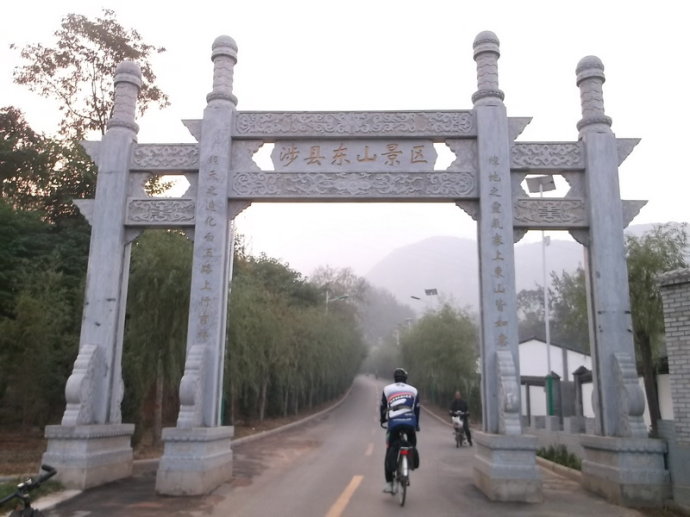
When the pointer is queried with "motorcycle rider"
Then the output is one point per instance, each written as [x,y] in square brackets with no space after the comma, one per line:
[459,404]
[400,407]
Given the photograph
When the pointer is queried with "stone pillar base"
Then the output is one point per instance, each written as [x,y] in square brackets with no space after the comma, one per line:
[89,455]
[194,461]
[627,471]
[505,467]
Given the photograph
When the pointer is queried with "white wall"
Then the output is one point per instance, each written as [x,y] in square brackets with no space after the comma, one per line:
[663,389]
[534,360]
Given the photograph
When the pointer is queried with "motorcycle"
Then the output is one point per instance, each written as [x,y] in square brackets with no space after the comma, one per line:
[458,419]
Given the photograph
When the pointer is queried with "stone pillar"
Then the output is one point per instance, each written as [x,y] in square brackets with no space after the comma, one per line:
[197,455]
[675,292]
[505,462]
[620,463]
[92,446]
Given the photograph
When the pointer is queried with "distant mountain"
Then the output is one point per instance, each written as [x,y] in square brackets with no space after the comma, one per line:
[450,265]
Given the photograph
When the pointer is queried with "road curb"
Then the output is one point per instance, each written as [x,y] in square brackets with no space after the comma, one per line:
[50,501]
[559,469]
[296,423]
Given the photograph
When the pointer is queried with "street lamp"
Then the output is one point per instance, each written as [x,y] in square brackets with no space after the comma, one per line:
[329,299]
[543,184]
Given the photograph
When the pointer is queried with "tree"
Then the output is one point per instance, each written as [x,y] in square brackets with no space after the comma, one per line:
[38,348]
[78,71]
[440,351]
[39,173]
[285,350]
[157,308]
[657,251]
[569,311]
[530,307]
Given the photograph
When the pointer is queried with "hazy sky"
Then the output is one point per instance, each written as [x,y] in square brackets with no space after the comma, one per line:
[401,55]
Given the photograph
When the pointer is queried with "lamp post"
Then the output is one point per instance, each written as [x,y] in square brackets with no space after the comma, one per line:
[329,299]
[543,184]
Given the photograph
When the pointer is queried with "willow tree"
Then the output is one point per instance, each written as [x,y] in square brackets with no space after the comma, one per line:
[156,331]
[440,353]
[662,249]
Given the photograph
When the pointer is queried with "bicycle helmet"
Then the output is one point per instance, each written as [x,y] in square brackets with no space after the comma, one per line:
[400,375]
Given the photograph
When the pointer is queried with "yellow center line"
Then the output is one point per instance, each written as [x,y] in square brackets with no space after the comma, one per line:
[339,506]
[370,450]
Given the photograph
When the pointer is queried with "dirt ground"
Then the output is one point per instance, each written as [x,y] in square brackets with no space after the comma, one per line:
[21,451]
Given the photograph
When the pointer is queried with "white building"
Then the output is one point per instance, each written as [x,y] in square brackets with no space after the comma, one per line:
[533,365]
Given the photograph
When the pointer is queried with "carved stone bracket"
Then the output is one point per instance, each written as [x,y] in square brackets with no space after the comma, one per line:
[191,386]
[632,403]
[237,207]
[470,207]
[82,389]
[465,155]
[508,393]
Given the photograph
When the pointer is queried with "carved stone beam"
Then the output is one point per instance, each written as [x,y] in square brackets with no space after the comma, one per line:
[362,186]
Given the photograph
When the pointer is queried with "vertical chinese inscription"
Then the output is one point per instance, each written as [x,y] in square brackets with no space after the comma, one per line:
[499,337]
[497,251]
[209,249]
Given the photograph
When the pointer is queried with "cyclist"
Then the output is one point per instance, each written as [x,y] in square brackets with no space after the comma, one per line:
[458,404]
[400,407]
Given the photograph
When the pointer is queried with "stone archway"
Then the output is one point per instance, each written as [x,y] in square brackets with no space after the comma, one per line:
[349,156]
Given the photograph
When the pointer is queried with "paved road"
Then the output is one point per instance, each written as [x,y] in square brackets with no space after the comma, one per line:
[333,466]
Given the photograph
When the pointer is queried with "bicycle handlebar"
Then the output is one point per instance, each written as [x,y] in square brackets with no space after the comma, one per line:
[49,473]
[25,487]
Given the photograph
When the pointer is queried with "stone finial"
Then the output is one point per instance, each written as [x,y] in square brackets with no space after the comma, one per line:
[486,54]
[590,78]
[224,57]
[127,85]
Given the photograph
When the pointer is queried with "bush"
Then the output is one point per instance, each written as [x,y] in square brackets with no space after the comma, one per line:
[560,455]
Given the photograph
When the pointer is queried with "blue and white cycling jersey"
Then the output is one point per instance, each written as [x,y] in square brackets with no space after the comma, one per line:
[400,405]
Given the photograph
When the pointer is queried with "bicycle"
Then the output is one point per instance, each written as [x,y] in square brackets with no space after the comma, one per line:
[458,418]
[23,490]
[401,476]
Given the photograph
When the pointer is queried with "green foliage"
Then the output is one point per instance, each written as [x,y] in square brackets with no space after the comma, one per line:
[38,348]
[285,351]
[156,330]
[569,310]
[383,359]
[657,251]
[42,267]
[530,306]
[78,71]
[41,174]
[440,354]
[9,487]
[560,455]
